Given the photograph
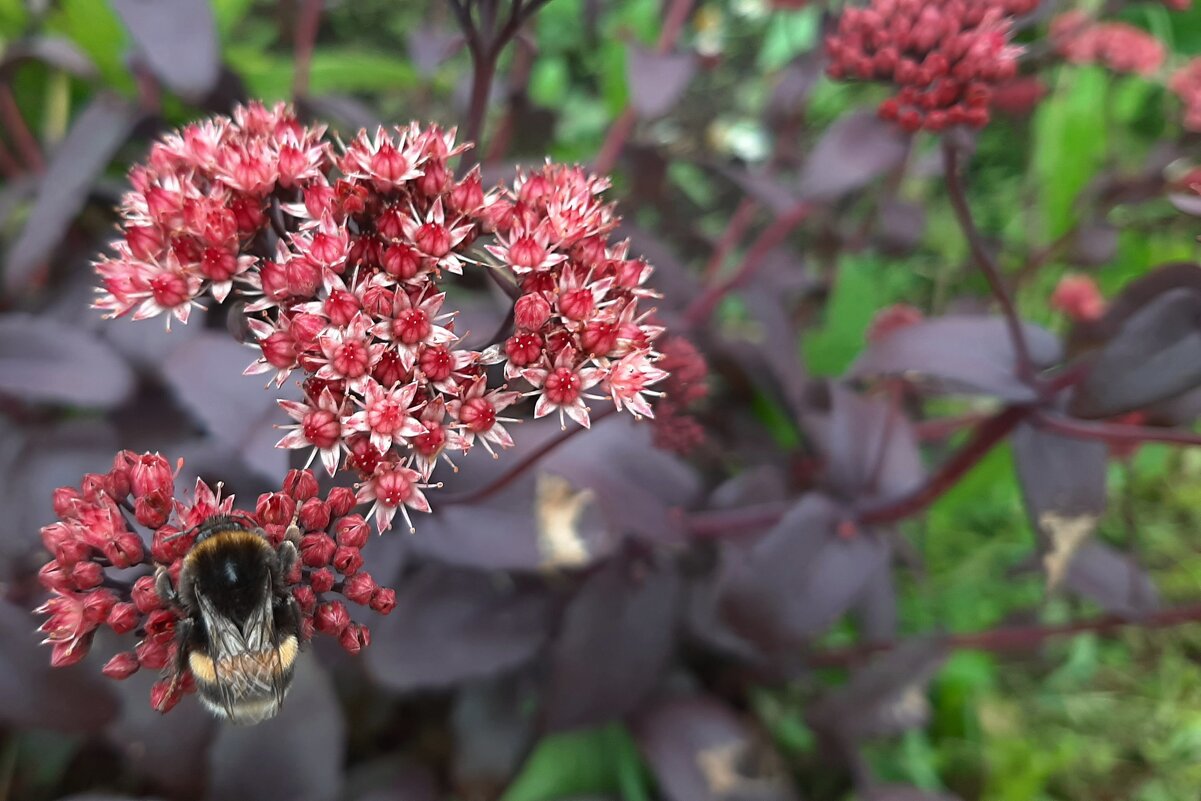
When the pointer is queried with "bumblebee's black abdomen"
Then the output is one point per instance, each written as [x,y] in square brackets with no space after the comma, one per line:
[232,569]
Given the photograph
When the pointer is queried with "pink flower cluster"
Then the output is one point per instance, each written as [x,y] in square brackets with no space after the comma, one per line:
[944,56]
[341,253]
[1186,84]
[129,518]
[1117,45]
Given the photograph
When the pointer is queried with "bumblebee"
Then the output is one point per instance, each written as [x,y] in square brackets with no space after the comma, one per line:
[239,631]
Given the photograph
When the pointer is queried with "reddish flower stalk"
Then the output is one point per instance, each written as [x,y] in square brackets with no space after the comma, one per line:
[132,517]
[342,257]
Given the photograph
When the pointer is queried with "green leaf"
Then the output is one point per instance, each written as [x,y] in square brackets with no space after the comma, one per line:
[829,350]
[333,69]
[1070,141]
[595,761]
[228,13]
[13,18]
[97,31]
[559,28]
[549,81]
[789,33]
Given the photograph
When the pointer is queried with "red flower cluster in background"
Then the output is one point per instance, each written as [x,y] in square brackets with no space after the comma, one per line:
[945,56]
[342,257]
[1186,84]
[1118,46]
[130,518]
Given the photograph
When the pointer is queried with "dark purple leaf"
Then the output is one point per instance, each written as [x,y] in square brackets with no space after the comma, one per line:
[1134,296]
[178,39]
[700,750]
[763,186]
[868,443]
[876,607]
[1111,579]
[205,373]
[790,93]
[1094,245]
[783,355]
[899,792]
[430,45]
[958,354]
[856,149]
[657,80]
[901,224]
[86,150]
[615,640]
[453,625]
[57,51]
[170,749]
[1063,485]
[350,112]
[885,697]
[799,578]
[32,693]
[43,360]
[1155,356]
[493,724]
[295,756]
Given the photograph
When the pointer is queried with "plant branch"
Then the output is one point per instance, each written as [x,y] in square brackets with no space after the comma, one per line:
[735,229]
[984,260]
[983,439]
[525,464]
[703,306]
[23,139]
[732,523]
[1020,638]
[304,40]
[1114,432]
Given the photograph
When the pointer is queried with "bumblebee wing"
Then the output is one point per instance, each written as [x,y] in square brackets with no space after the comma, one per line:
[262,637]
[225,641]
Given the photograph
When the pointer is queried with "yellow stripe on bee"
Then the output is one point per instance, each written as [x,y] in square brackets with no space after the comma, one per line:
[206,672]
[221,539]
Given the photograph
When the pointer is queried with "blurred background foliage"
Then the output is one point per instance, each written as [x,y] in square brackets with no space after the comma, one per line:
[1084,717]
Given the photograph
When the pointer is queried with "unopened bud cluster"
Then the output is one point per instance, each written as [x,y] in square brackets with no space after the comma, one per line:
[117,527]
[945,57]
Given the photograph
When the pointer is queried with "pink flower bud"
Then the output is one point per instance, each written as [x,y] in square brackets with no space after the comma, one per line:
[359,588]
[523,349]
[124,617]
[331,618]
[144,597]
[164,695]
[314,515]
[354,638]
[153,655]
[300,484]
[383,600]
[96,606]
[316,550]
[87,575]
[53,577]
[275,507]
[121,666]
[126,550]
[306,599]
[322,580]
[531,312]
[67,653]
[341,500]
[65,500]
[153,509]
[347,561]
[352,531]
[151,472]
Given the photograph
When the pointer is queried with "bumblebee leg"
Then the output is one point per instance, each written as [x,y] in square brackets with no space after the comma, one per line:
[288,557]
[163,586]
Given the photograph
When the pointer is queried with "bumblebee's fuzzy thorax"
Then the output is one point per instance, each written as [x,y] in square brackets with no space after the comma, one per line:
[241,630]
